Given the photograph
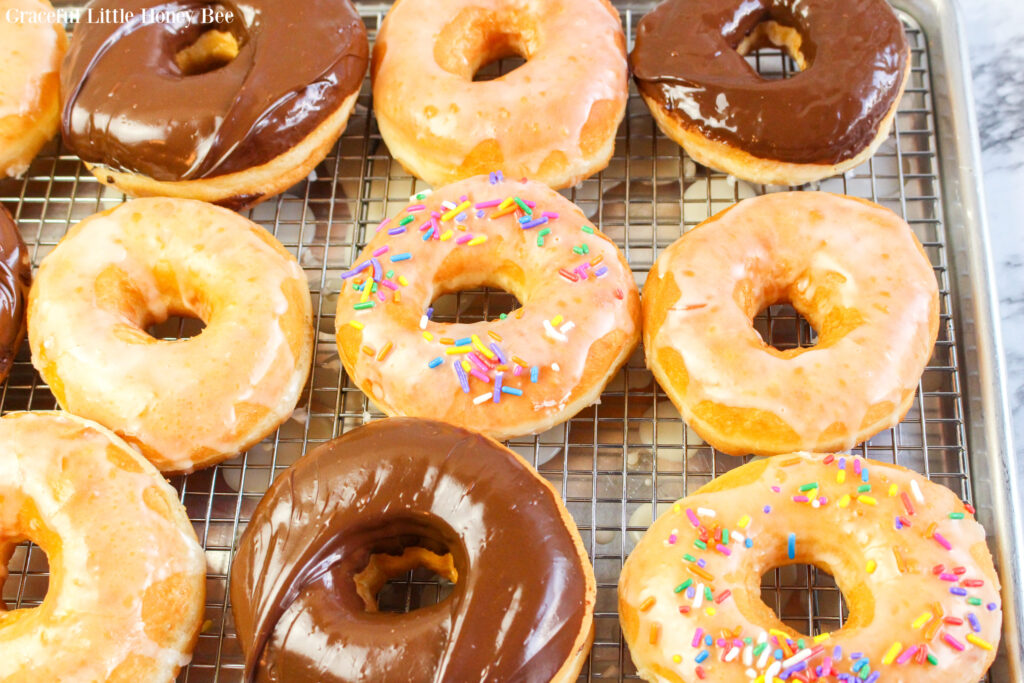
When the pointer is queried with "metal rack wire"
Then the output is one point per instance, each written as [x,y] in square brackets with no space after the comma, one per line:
[615,461]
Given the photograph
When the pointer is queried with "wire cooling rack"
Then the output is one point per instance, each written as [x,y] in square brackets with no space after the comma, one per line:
[615,462]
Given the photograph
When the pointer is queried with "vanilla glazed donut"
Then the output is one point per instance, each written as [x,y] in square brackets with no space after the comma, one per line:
[15,279]
[190,403]
[517,374]
[908,556]
[127,576]
[385,498]
[32,45]
[854,63]
[230,108]
[553,119]
[853,269]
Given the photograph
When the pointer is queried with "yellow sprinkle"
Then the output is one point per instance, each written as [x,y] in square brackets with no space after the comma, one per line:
[677,659]
[384,352]
[867,500]
[922,620]
[456,211]
[557,320]
[821,637]
[493,335]
[481,348]
[647,604]
[479,239]
[365,296]
[461,227]
[759,679]
[402,281]
[744,521]
[710,611]
[777,632]
[507,202]
[871,567]
[892,652]
[466,365]
[894,490]
[841,476]
[356,324]
[844,501]
[676,507]
[453,350]
[368,350]
[428,336]
[447,235]
[980,642]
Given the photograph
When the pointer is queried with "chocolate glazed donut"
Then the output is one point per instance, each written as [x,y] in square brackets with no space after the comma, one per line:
[380,500]
[853,53]
[152,95]
[15,279]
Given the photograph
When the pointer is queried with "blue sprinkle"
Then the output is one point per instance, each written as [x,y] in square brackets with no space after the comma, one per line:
[512,390]
[480,213]
[749,542]
[957,590]
[401,257]
[702,563]
[842,463]
[434,363]
[601,271]
[355,271]
[465,341]
[864,475]
[430,310]
[975,624]
[461,218]
[778,653]
[874,677]
[837,653]
[991,607]
[701,656]
[691,592]
[859,664]
[899,524]
[497,387]
[767,509]
[791,546]
[500,176]
[396,231]
[426,236]
[856,655]
[709,640]
[497,352]
[524,219]
[534,223]
[463,380]
[534,374]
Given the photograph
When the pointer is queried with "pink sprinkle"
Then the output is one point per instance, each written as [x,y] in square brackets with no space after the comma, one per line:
[942,541]
[517,370]
[692,517]
[801,499]
[776,489]
[463,198]
[696,637]
[722,549]
[435,214]
[426,224]
[856,465]
[488,204]
[477,361]
[464,238]
[530,204]
[582,270]
[389,284]
[550,215]
[671,538]
[907,654]
[823,500]
[479,375]
[380,295]
[415,207]
[382,250]
[826,664]
[953,642]
[948,577]
[382,224]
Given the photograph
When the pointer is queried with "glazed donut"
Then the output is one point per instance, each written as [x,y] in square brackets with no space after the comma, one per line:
[15,279]
[552,120]
[276,83]
[907,555]
[857,273]
[127,577]
[832,116]
[381,500]
[31,49]
[518,374]
[190,403]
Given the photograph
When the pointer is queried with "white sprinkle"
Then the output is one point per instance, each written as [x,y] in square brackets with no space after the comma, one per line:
[740,538]
[732,654]
[775,668]
[565,328]
[815,503]
[751,674]
[699,600]
[448,205]
[554,366]
[748,655]
[704,512]
[797,658]
[763,638]
[423,322]
[553,333]
[483,397]
[916,490]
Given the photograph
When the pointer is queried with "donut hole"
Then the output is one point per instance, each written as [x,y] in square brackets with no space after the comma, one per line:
[474,304]
[806,598]
[774,50]
[24,574]
[212,50]
[480,44]
[417,578]
[783,327]
[176,327]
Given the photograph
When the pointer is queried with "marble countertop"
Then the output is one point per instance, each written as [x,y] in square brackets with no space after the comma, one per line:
[995,38]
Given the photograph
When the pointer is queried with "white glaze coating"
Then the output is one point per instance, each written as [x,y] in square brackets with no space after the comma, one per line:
[29,51]
[601,307]
[834,258]
[127,575]
[186,403]
[433,115]
[853,535]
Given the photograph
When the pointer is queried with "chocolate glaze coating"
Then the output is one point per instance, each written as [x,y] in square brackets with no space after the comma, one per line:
[514,614]
[15,280]
[127,105]
[685,58]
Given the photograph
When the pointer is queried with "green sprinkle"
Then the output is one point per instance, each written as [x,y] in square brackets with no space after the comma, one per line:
[748,640]
[809,487]
[864,672]
[390,274]
[725,537]
[974,601]
[407,220]
[684,585]
[577,250]
[420,195]
[587,229]
[373,290]
[363,305]
[689,558]
[503,316]
[708,595]
[759,648]
[540,241]
[523,206]
[932,659]
[701,544]
[585,248]
[544,232]
[956,515]
[863,488]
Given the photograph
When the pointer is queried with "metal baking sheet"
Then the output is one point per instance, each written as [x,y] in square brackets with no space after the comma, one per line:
[630,454]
